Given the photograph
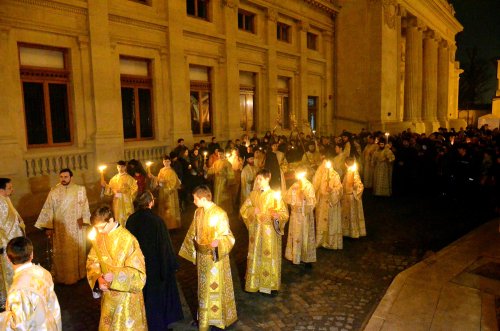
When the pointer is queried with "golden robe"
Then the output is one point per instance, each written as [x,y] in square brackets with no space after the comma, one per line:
[382,171]
[168,200]
[32,303]
[301,243]
[224,175]
[353,218]
[11,226]
[367,165]
[216,300]
[283,168]
[264,246]
[122,307]
[329,191]
[63,207]
[310,159]
[247,179]
[123,201]
[338,164]
[234,185]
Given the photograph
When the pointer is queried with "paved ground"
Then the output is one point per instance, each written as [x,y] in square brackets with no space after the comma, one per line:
[342,289]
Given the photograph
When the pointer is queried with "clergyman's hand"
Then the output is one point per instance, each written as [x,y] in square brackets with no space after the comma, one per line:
[108,277]
[103,285]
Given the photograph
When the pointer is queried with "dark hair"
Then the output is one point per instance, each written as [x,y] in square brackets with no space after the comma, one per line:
[3,183]
[213,138]
[264,173]
[203,191]
[173,155]
[101,215]
[145,199]
[166,157]
[19,250]
[68,170]
[121,162]
[179,140]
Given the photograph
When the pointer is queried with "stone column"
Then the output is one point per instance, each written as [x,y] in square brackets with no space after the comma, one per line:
[443,82]
[302,76]
[413,73]
[326,125]
[429,87]
[267,117]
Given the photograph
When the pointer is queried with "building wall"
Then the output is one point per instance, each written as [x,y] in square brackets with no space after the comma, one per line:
[96,33]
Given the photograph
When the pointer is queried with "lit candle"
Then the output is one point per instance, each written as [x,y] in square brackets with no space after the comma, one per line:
[277,199]
[148,165]
[314,132]
[213,222]
[205,155]
[92,238]
[354,167]
[387,137]
[228,155]
[328,167]
[300,176]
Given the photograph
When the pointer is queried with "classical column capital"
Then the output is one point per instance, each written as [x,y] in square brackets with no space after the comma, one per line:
[304,26]
[83,42]
[430,34]
[233,4]
[272,15]
[390,8]
[415,22]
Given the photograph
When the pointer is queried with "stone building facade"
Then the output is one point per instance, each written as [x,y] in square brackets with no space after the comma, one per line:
[89,82]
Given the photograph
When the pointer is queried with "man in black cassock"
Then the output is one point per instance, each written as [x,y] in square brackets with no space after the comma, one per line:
[161,295]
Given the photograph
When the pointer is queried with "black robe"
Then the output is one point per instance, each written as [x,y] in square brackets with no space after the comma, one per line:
[161,296]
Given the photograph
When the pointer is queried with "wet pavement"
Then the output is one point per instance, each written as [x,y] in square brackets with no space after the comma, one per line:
[341,290]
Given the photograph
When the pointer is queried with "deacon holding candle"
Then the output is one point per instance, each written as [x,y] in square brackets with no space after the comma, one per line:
[328,188]
[208,243]
[116,271]
[123,188]
[353,218]
[265,225]
[301,244]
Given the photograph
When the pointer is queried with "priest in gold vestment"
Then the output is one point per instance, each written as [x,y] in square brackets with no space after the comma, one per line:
[168,183]
[382,161]
[11,226]
[328,188]
[123,188]
[301,243]
[370,148]
[63,217]
[247,178]
[116,270]
[207,244]
[32,303]
[265,216]
[353,218]
[223,173]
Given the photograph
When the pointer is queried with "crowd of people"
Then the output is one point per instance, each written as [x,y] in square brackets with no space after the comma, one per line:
[315,184]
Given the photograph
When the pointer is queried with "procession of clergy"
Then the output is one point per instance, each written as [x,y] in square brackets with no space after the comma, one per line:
[131,264]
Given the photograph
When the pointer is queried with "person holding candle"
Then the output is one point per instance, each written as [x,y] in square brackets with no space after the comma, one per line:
[370,148]
[328,188]
[262,219]
[64,216]
[223,173]
[161,295]
[301,244]
[31,303]
[208,243]
[382,162]
[116,271]
[353,218]
[247,178]
[123,188]
[168,183]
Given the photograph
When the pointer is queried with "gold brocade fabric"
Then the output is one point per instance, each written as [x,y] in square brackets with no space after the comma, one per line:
[301,243]
[32,303]
[168,200]
[63,207]
[247,178]
[338,164]
[11,226]
[367,165]
[353,218]
[224,175]
[264,248]
[216,302]
[283,168]
[329,191]
[122,307]
[123,188]
[382,172]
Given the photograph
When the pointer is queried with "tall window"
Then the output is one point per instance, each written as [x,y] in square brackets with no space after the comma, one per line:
[197,8]
[200,100]
[283,32]
[246,21]
[136,87]
[284,111]
[247,101]
[45,79]
[312,41]
[312,112]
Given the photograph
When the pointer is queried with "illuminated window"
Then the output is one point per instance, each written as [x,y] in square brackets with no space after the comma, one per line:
[200,97]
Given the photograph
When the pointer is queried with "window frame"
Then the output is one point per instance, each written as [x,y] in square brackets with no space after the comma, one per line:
[138,82]
[196,9]
[200,87]
[284,94]
[247,90]
[246,14]
[312,37]
[283,27]
[46,76]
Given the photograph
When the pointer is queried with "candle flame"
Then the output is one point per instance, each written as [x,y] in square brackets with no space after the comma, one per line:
[213,221]
[387,134]
[354,167]
[92,234]
[301,175]
[148,164]
[277,195]
[228,155]
[328,164]
[205,153]
[102,168]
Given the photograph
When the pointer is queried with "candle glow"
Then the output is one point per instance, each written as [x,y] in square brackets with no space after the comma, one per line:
[354,167]
[148,164]
[102,168]
[301,175]
[92,236]
[328,165]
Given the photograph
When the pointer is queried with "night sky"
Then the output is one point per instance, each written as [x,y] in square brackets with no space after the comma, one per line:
[481,22]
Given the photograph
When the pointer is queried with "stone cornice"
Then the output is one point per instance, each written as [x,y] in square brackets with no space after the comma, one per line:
[328,6]
[138,23]
[54,5]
